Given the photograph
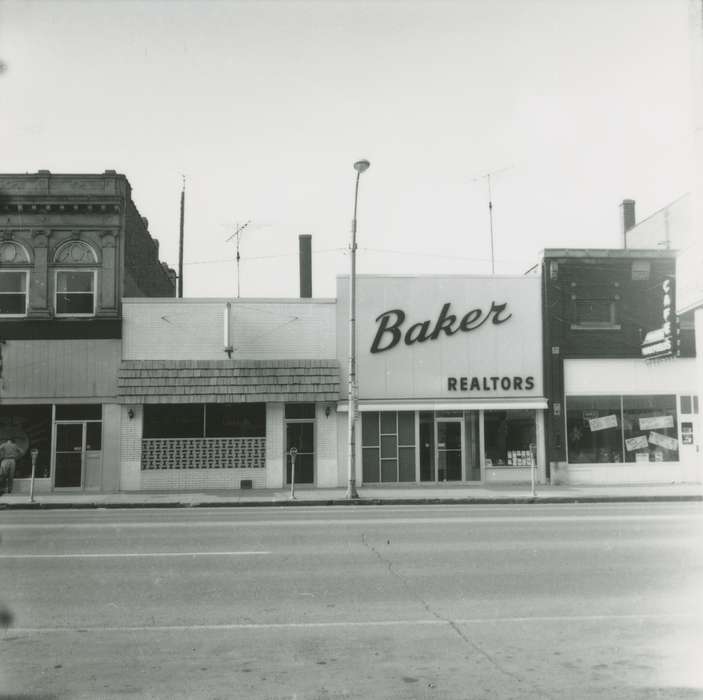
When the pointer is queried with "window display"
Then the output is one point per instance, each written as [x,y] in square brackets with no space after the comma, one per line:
[613,429]
[649,424]
[593,429]
[509,438]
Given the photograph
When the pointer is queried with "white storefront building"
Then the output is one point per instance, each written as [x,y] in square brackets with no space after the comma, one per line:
[214,392]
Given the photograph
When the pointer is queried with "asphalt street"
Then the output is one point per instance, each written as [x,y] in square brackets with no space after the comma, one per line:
[532,601]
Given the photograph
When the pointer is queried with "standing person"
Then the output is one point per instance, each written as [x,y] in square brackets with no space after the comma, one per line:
[9,452]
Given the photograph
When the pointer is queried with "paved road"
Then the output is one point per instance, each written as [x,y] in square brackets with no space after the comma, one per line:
[572,601]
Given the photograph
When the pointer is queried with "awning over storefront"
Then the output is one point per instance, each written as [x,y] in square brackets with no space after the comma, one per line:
[536,403]
[227,381]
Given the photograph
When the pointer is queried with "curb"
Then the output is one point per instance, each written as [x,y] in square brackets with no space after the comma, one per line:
[515,500]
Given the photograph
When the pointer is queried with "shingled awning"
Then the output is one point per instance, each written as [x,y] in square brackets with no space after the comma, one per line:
[228,381]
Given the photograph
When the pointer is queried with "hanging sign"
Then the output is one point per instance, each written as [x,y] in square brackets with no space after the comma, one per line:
[636,443]
[603,423]
[653,422]
[664,341]
[664,441]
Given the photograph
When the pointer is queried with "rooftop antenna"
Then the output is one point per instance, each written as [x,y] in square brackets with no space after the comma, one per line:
[238,230]
[180,240]
[490,207]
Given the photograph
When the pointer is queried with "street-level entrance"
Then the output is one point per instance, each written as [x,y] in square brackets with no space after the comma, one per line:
[450,448]
[78,447]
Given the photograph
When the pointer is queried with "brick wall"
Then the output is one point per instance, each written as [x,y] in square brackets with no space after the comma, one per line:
[144,275]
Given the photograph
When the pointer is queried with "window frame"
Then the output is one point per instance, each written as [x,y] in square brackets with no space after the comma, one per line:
[94,274]
[611,325]
[26,291]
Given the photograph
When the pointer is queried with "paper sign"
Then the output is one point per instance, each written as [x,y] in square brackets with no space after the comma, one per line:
[687,433]
[610,421]
[664,441]
[641,456]
[636,443]
[654,422]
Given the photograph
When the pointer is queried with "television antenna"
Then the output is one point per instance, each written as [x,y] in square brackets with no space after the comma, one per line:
[488,176]
[237,235]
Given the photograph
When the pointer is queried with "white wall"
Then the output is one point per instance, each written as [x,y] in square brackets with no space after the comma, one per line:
[634,376]
[420,370]
[326,446]
[275,437]
[176,329]
[131,448]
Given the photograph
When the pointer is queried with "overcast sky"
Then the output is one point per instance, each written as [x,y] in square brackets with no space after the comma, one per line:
[265,106]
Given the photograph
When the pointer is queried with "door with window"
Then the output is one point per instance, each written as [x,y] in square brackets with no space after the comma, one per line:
[450,448]
[78,447]
[300,433]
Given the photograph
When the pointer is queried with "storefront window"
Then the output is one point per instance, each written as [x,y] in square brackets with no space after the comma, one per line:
[388,446]
[509,438]
[650,431]
[173,421]
[612,429]
[196,420]
[594,429]
[30,426]
[235,420]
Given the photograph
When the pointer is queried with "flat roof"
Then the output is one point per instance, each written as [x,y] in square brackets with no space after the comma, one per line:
[607,253]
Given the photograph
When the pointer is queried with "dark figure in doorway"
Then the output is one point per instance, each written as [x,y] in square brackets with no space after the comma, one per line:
[9,453]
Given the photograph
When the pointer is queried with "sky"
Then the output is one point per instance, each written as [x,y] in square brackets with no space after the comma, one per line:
[265,106]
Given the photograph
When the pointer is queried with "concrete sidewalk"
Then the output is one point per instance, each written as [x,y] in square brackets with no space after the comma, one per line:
[405,495]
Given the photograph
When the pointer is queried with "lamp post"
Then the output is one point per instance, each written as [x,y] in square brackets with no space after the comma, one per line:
[360,166]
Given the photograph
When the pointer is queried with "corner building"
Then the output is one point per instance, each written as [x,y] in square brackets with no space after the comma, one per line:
[70,247]
[617,416]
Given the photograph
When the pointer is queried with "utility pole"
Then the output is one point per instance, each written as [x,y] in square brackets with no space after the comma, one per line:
[180,240]
[237,236]
[490,208]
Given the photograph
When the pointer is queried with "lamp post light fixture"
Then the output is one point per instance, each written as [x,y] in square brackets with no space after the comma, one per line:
[360,166]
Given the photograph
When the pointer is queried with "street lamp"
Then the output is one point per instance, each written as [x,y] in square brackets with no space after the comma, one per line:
[360,166]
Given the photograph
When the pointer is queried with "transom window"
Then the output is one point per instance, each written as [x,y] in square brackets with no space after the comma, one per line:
[75,292]
[13,292]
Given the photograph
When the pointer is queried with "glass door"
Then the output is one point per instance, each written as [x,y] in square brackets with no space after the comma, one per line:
[70,450]
[301,436]
[450,448]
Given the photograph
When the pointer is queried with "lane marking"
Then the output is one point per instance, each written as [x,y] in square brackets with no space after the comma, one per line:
[523,520]
[369,623]
[118,555]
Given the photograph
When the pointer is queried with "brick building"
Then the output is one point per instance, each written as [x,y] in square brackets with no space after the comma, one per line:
[615,416]
[71,246]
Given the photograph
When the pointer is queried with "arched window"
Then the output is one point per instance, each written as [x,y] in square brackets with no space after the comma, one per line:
[14,279]
[75,283]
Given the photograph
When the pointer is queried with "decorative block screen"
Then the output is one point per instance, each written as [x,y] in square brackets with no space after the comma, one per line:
[204,453]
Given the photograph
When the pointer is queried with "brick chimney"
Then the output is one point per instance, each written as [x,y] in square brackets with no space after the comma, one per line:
[305,261]
[628,218]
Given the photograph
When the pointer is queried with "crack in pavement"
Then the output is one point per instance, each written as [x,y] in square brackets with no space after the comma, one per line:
[406,584]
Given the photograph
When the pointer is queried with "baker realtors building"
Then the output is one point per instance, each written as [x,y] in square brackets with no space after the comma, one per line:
[461,379]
